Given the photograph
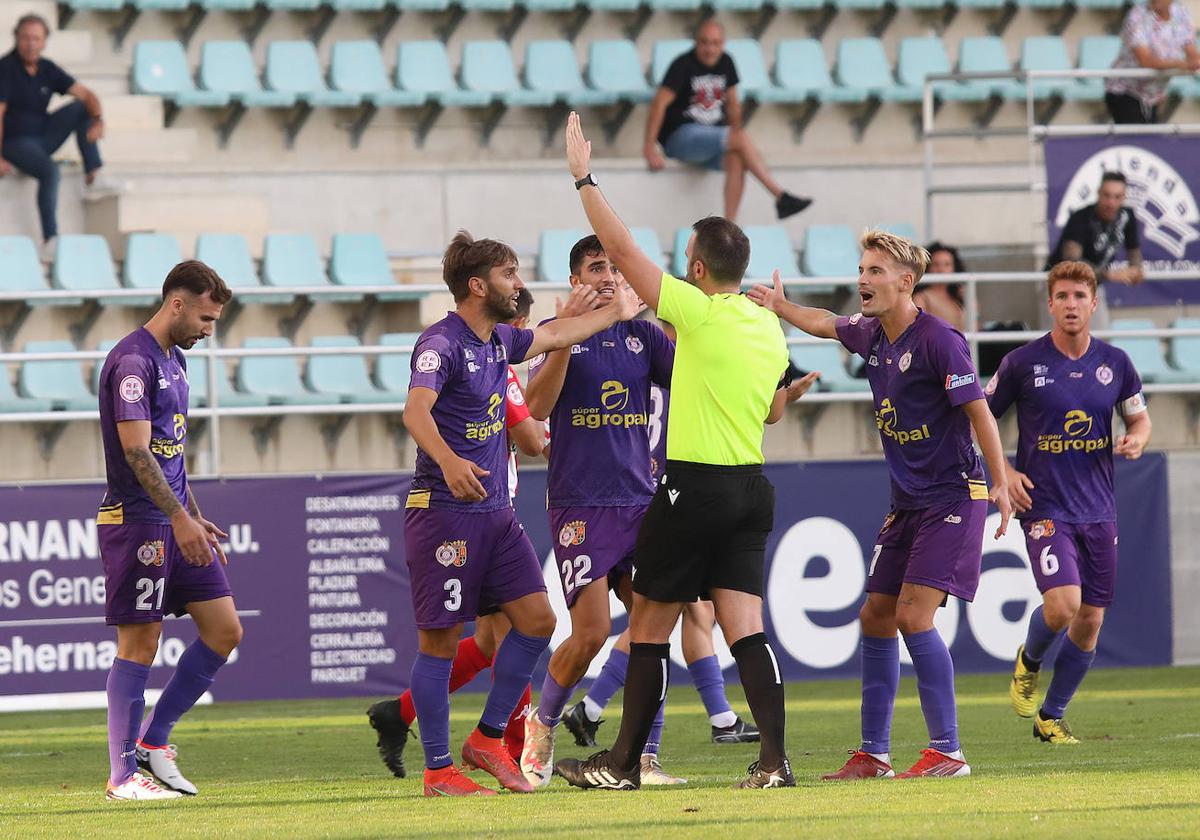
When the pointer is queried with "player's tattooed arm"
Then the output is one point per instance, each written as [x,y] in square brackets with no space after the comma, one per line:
[820,323]
[150,475]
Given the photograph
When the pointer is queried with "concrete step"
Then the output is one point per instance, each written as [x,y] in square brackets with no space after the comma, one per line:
[72,49]
[183,214]
[131,149]
[133,113]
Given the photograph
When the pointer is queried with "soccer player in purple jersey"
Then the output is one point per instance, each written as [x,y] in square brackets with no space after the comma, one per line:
[927,401]
[463,544]
[1066,386]
[157,549]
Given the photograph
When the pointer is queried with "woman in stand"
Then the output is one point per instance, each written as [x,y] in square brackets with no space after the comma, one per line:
[1158,36]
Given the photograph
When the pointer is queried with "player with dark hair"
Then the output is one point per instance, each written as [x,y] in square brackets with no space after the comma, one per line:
[927,402]
[1066,386]
[157,549]
[463,544]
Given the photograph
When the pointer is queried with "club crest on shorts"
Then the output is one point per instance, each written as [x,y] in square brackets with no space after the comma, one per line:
[1041,528]
[573,533]
[1104,374]
[887,522]
[152,553]
[452,553]
[633,343]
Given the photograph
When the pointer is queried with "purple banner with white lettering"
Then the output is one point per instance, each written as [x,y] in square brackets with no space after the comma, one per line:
[1163,173]
[318,573]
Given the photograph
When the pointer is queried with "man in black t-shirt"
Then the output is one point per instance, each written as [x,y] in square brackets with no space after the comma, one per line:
[697,117]
[1094,234]
[30,135]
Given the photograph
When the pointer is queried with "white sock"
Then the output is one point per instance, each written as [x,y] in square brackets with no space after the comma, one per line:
[592,709]
[886,758]
[724,720]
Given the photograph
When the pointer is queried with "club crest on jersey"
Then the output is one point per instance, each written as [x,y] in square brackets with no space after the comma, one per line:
[992,384]
[452,553]
[573,533]
[856,317]
[152,553]
[132,389]
[428,362]
[1104,375]
[906,360]
[1041,528]
[633,343]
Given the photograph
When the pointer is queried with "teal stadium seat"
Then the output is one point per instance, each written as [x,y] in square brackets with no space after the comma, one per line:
[198,391]
[1185,352]
[345,377]
[160,68]
[359,259]
[227,66]
[60,383]
[20,267]
[487,67]
[228,5]
[830,251]
[82,262]
[862,67]
[96,5]
[614,67]
[770,249]
[1147,353]
[647,239]
[921,57]
[357,67]
[161,5]
[293,67]
[675,5]
[1096,52]
[292,259]
[551,68]
[293,5]
[424,5]
[228,255]
[754,83]
[554,251]
[358,5]
[679,265]
[614,5]
[276,377]
[149,258]
[827,358]
[104,346]
[424,67]
[804,5]
[11,402]
[1102,4]
[664,53]
[1048,52]
[738,5]
[800,67]
[550,5]
[987,54]
[1186,86]
[394,370]
[904,229]
[487,5]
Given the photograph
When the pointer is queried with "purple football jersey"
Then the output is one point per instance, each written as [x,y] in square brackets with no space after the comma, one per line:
[470,377]
[919,385]
[140,382]
[600,455]
[660,407]
[1064,418]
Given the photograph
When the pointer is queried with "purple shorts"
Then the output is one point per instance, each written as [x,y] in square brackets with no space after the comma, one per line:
[939,546]
[1067,554]
[146,577]
[593,543]
[458,562]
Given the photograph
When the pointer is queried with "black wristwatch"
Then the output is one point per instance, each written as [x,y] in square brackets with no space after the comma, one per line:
[586,180]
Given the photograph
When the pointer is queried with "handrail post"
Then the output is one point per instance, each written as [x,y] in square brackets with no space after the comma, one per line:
[214,402]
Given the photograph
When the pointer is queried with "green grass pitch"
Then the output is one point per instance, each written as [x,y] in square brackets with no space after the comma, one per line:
[309,769]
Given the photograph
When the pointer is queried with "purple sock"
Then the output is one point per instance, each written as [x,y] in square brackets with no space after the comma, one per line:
[1070,667]
[880,681]
[612,677]
[706,676]
[553,700]
[935,683]
[193,676]
[511,669]
[655,736]
[126,702]
[430,686]
[1040,636]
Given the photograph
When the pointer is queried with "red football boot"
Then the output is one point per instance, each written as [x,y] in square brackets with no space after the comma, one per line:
[491,756]
[860,765]
[450,781]
[934,763]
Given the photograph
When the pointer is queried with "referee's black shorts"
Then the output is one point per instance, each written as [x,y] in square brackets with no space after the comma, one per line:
[705,529]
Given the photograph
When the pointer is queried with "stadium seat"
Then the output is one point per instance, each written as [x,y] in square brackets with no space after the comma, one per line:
[228,255]
[276,377]
[227,67]
[921,57]
[293,67]
[487,67]
[229,5]
[554,251]
[754,83]
[647,239]
[862,68]
[345,377]
[614,5]
[738,5]
[770,249]
[614,67]
[1048,52]
[1186,86]
[487,5]
[679,263]
[20,268]
[393,370]
[160,68]
[357,67]
[801,68]
[11,402]
[104,346]
[830,251]
[292,259]
[359,259]
[82,262]
[987,54]
[675,5]
[293,5]
[198,390]
[1096,52]
[1185,351]
[424,67]
[551,68]
[827,358]
[61,383]
[1146,353]
[664,53]
[149,258]
[904,229]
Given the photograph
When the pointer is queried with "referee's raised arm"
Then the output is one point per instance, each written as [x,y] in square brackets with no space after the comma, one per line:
[641,272]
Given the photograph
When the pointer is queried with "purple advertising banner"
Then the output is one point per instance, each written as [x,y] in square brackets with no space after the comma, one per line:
[318,573]
[1163,173]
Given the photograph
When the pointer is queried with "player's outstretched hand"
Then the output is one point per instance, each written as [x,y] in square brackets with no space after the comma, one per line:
[802,385]
[627,301]
[1019,485]
[1130,447]
[769,298]
[215,535]
[462,477]
[579,148]
[192,539]
[579,302]
[998,495]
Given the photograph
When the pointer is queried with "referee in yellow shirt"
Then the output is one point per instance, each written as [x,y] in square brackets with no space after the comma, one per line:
[705,533]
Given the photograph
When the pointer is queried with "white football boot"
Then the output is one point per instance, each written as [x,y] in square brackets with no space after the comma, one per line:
[138,787]
[161,762]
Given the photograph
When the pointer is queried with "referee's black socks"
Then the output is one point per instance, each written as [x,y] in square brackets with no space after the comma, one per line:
[645,688]
[763,683]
